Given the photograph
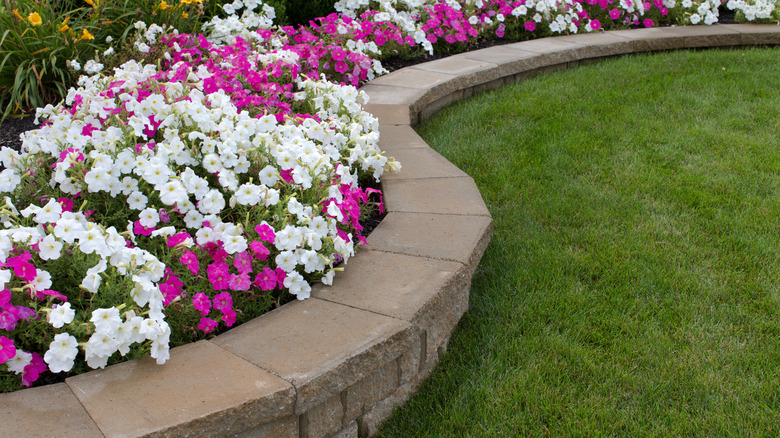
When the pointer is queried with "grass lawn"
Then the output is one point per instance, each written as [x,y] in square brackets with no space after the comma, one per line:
[632,286]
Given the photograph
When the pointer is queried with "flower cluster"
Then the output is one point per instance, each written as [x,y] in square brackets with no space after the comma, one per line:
[222,173]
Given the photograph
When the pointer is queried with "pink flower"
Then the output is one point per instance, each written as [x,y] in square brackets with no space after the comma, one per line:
[8,319]
[177,239]
[229,317]
[7,349]
[33,370]
[201,303]
[530,26]
[243,262]
[21,267]
[595,24]
[280,276]
[266,280]
[5,297]
[207,325]
[266,232]
[260,251]
[240,282]
[164,215]
[67,204]
[141,230]
[190,260]
[223,301]
[219,275]
[648,22]
[614,14]
[500,30]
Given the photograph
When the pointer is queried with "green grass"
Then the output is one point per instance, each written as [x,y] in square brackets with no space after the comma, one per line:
[632,286]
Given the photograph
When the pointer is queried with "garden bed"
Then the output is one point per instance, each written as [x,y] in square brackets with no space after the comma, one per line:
[362,350]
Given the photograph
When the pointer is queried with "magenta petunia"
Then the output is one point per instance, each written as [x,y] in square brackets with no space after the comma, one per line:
[207,325]
[7,349]
[530,26]
[614,14]
[33,370]
[229,317]
[266,280]
[259,250]
[240,282]
[177,239]
[648,22]
[190,259]
[201,303]
[222,301]
[266,233]
[219,275]
[243,262]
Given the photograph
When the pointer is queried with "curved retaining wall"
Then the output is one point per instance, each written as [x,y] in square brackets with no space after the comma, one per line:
[336,364]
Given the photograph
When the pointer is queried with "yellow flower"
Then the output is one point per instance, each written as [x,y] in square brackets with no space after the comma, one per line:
[184,15]
[85,35]
[90,2]
[34,19]
[16,13]
[64,27]
[163,5]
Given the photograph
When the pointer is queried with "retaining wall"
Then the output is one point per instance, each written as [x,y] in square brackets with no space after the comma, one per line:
[336,364]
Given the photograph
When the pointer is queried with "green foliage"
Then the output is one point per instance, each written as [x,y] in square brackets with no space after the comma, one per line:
[35,44]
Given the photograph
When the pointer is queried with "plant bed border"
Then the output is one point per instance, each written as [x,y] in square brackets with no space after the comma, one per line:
[337,363]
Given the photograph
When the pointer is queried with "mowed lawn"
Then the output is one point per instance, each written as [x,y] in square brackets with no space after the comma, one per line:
[632,286]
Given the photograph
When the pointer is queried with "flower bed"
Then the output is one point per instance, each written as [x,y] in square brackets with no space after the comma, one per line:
[159,204]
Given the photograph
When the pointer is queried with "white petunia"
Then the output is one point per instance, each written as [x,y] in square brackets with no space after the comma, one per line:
[149,217]
[137,200]
[19,361]
[106,320]
[61,353]
[49,248]
[60,315]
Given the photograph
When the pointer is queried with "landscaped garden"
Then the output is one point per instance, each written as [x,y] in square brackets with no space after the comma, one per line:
[632,285]
[191,181]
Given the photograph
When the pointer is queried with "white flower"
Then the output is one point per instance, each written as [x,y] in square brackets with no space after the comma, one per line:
[49,248]
[212,203]
[297,285]
[149,217]
[19,361]
[173,192]
[61,353]
[42,280]
[106,320]
[60,315]
[92,280]
[137,200]
[49,213]
[286,260]
[248,194]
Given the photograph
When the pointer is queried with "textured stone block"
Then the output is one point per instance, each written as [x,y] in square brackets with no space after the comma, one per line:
[457,196]
[392,114]
[420,163]
[202,390]
[375,387]
[350,431]
[324,420]
[756,34]
[286,427]
[445,237]
[45,411]
[395,138]
[322,347]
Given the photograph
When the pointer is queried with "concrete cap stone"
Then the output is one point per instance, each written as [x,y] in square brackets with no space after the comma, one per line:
[419,163]
[451,196]
[395,138]
[201,390]
[753,34]
[412,77]
[446,237]
[391,95]
[319,346]
[401,285]
[46,411]
[392,114]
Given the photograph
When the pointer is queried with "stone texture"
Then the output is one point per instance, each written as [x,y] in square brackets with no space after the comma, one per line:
[418,163]
[455,196]
[508,59]
[322,347]
[395,138]
[373,419]
[412,77]
[392,114]
[401,285]
[350,431]
[445,237]
[377,386]
[755,34]
[202,390]
[45,411]
[286,427]
[324,420]
[391,95]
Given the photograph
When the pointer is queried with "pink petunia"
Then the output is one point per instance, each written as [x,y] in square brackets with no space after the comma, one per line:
[229,317]
[141,230]
[177,239]
[190,259]
[219,275]
[222,301]
[207,325]
[201,303]
[530,26]
[595,24]
[22,268]
[648,22]
[260,251]
[266,280]
[266,233]
[33,370]
[243,262]
[7,349]
[240,282]
[614,14]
